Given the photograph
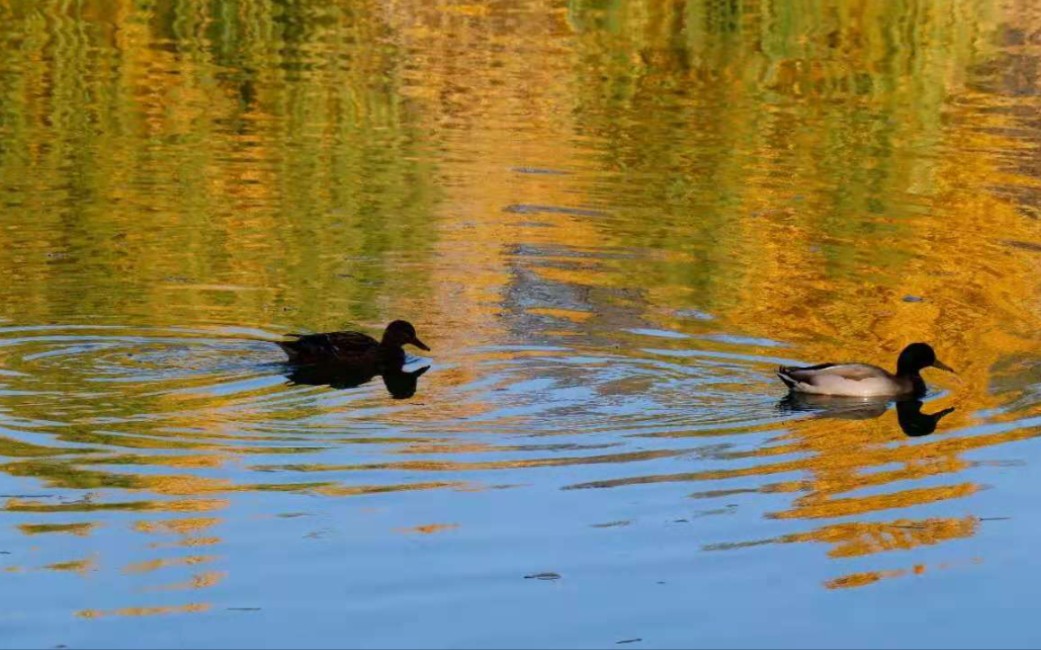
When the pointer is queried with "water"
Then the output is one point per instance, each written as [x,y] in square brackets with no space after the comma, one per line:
[610,221]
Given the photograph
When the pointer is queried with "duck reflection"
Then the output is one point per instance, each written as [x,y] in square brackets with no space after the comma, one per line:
[908,411]
[914,422]
[401,384]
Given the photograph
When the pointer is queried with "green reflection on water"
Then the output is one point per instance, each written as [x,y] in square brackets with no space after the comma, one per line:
[508,174]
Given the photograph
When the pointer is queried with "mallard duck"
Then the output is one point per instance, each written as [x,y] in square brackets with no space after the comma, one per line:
[863,380]
[355,348]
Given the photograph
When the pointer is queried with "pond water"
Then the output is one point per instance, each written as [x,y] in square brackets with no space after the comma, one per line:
[610,221]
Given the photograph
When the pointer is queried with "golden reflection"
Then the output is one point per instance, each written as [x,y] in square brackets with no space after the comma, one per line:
[81,567]
[825,179]
[189,531]
[202,580]
[80,529]
[189,526]
[429,529]
[865,578]
[154,565]
[188,542]
[866,538]
[88,505]
[191,608]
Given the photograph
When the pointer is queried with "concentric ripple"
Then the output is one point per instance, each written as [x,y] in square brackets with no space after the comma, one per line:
[127,420]
[194,399]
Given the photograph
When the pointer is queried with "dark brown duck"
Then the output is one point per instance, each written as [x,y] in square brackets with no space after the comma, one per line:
[354,348]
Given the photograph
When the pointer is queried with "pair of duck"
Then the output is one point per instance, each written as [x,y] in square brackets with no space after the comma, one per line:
[838,379]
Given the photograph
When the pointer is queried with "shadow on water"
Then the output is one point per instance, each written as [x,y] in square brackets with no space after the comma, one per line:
[909,414]
[400,383]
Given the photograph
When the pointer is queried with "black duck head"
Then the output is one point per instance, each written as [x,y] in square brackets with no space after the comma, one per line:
[401,332]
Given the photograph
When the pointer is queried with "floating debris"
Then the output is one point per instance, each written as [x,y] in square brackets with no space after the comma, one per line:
[549,575]
[527,208]
[612,524]
[539,170]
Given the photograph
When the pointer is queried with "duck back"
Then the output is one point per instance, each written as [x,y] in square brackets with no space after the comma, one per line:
[344,347]
[849,379]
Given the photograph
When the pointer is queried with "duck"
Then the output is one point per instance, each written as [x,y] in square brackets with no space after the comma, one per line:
[354,348]
[865,380]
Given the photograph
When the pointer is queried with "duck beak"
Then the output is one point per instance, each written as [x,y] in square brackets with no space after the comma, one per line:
[943,366]
[423,346]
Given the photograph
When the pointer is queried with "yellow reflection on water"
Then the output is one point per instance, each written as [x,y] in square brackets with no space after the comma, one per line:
[191,608]
[430,529]
[80,529]
[835,178]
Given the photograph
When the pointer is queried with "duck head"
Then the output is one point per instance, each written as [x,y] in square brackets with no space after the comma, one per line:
[401,333]
[917,356]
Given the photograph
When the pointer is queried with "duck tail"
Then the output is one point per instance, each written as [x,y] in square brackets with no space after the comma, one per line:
[782,373]
[291,348]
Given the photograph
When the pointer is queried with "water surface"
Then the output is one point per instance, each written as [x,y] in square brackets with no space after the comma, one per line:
[611,221]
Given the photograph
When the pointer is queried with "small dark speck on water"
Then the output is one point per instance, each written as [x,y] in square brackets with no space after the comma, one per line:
[539,170]
[244,609]
[636,640]
[525,208]
[543,576]
[910,298]
[612,524]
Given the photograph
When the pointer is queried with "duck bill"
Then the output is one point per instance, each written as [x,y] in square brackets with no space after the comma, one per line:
[421,345]
[943,366]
